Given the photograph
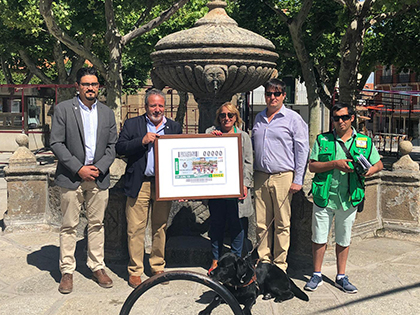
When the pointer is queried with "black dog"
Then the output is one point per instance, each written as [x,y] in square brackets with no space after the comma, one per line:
[246,282]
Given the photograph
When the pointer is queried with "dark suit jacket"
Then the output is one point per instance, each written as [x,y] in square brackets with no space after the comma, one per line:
[130,145]
[68,143]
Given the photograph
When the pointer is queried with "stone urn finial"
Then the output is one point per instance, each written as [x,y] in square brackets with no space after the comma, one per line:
[22,157]
[405,162]
[213,60]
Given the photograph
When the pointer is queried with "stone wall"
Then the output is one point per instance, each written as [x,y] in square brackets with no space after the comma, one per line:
[392,202]
[400,202]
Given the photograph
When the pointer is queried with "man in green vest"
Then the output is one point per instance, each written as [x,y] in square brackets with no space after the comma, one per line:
[338,190]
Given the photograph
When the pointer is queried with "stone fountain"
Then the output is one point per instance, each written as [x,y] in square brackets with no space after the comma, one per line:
[213,60]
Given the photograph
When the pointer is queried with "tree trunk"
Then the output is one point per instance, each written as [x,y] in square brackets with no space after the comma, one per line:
[6,71]
[113,95]
[351,52]
[307,66]
[113,75]
[182,107]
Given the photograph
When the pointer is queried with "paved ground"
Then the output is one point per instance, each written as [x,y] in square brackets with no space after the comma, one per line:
[385,270]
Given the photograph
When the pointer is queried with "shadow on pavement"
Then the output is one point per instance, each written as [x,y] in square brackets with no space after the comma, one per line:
[371,297]
[206,297]
[46,259]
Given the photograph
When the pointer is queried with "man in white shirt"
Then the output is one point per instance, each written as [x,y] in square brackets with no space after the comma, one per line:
[83,137]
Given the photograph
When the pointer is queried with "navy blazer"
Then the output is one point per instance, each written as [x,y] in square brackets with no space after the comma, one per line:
[130,145]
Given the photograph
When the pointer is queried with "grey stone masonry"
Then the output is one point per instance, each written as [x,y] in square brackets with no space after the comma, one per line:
[27,187]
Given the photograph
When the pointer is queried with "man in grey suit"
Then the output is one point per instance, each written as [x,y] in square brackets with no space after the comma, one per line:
[83,138]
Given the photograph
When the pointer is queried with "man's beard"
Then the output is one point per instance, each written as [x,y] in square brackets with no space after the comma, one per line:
[156,119]
[89,98]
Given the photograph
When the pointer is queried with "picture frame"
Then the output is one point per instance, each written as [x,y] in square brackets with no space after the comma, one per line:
[199,166]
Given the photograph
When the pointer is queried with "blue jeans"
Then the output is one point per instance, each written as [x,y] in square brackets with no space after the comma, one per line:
[222,211]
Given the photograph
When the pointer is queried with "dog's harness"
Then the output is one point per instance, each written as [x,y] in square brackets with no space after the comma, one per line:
[253,279]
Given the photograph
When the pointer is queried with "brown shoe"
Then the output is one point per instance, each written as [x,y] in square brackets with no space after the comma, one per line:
[66,283]
[158,273]
[134,281]
[102,278]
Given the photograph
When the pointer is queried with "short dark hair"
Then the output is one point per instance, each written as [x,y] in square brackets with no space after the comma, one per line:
[153,92]
[276,84]
[339,105]
[85,71]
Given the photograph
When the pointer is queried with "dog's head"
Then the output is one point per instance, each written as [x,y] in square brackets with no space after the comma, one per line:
[233,270]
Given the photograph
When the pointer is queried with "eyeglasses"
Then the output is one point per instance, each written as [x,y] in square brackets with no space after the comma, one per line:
[343,117]
[276,94]
[95,84]
[223,115]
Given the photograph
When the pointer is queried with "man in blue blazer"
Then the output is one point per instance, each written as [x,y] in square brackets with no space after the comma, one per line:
[136,143]
[83,137]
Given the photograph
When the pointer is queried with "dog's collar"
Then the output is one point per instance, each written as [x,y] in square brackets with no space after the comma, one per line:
[253,279]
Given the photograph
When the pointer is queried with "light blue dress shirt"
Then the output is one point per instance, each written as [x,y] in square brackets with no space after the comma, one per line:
[150,166]
[90,127]
[282,144]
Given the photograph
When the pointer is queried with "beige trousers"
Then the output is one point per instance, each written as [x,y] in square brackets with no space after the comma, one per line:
[270,192]
[96,201]
[137,212]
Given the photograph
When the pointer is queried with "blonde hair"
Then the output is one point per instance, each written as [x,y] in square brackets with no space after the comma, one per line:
[232,109]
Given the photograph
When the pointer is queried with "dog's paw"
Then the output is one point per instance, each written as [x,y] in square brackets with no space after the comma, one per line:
[267,296]
[284,297]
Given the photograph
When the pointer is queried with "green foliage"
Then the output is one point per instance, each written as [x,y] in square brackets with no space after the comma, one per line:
[396,41]
[321,31]
[136,58]
[22,27]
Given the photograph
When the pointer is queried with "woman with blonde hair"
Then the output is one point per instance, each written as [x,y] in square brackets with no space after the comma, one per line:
[234,211]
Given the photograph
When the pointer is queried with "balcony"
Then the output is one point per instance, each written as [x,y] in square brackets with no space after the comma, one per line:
[386,79]
[404,78]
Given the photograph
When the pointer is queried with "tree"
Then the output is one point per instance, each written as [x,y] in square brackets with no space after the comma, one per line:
[362,16]
[27,48]
[395,41]
[328,42]
[301,38]
[116,36]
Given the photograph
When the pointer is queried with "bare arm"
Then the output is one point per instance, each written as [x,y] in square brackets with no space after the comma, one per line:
[320,167]
[377,167]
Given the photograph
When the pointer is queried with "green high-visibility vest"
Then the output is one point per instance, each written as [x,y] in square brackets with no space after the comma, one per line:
[361,145]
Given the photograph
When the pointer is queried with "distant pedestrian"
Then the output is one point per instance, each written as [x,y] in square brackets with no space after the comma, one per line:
[83,137]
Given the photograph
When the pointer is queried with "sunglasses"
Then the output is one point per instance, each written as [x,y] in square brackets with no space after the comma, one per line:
[343,117]
[276,94]
[223,115]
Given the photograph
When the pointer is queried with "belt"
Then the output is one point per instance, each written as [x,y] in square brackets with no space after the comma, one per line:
[278,173]
[148,178]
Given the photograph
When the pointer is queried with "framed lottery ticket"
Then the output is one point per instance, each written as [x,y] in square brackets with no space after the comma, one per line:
[200,166]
